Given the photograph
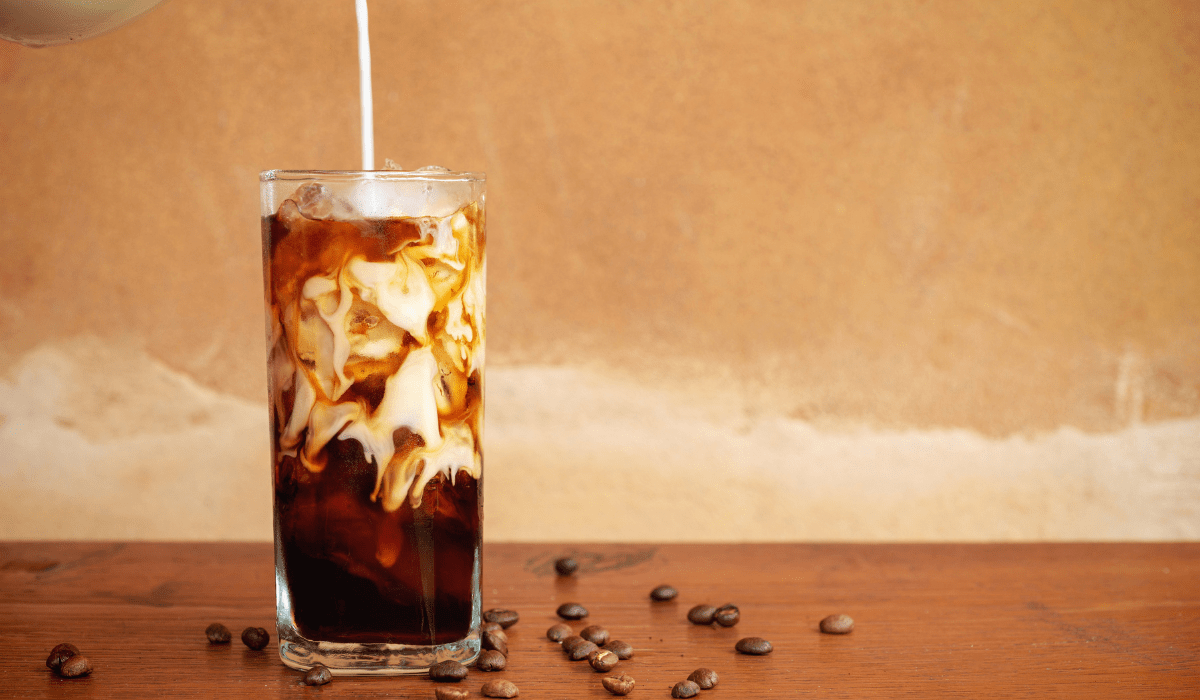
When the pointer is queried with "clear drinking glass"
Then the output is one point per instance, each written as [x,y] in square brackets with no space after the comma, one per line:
[375,301]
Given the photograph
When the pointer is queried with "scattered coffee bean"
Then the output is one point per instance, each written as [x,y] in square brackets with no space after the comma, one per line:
[618,685]
[755,646]
[450,694]
[447,671]
[566,566]
[75,667]
[727,615]
[595,634]
[59,654]
[505,618]
[706,678]
[623,650]
[217,633]
[837,624]
[572,611]
[318,675]
[491,660]
[497,641]
[499,689]
[663,593]
[558,632]
[255,637]
[570,642]
[701,615]
[582,651]
[603,660]
[490,627]
[685,689]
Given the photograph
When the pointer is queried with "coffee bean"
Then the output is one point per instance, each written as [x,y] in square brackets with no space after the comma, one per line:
[755,646]
[602,660]
[59,654]
[491,660]
[217,633]
[566,566]
[570,642]
[75,667]
[701,615]
[505,618]
[706,678]
[499,689]
[582,651]
[663,593]
[558,632]
[490,627]
[595,634]
[727,615]
[837,624]
[447,672]
[318,675]
[255,637]
[685,689]
[618,685]
[572,611]
[623,650]
[450,694]
[497,641]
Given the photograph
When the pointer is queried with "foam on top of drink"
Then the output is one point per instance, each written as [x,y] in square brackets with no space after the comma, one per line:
[378,331]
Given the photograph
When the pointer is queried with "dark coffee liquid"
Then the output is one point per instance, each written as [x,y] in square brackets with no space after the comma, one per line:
[360,567]
[331,535]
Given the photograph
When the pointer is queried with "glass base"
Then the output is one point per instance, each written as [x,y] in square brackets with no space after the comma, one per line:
[372,659]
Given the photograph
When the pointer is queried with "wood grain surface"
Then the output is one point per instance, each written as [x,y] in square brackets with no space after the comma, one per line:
[980,621]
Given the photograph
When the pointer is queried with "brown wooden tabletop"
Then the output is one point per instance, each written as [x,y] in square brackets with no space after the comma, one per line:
[980,621]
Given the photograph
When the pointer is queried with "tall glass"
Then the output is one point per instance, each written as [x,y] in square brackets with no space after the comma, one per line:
[375,297]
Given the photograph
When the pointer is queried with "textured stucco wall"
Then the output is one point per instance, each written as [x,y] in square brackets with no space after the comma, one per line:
[756,270]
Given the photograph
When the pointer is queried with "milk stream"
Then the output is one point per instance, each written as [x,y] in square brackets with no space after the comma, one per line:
[364,86]
[422,524]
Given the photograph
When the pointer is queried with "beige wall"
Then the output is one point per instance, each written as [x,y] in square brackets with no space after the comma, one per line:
[757,270]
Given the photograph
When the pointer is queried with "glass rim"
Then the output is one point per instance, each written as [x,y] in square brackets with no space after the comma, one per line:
[385,175]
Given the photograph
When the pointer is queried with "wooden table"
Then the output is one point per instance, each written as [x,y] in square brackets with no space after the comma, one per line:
[978,621]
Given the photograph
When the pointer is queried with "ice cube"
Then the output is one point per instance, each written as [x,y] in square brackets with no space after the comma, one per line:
[372,337]
[384,197]
[317,202]
[445,280]
[320,334]
[323,292]
[314,200]
[399,290]
[289,214]
[451,385]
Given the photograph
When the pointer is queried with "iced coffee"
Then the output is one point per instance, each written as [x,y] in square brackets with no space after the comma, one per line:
[375,296]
